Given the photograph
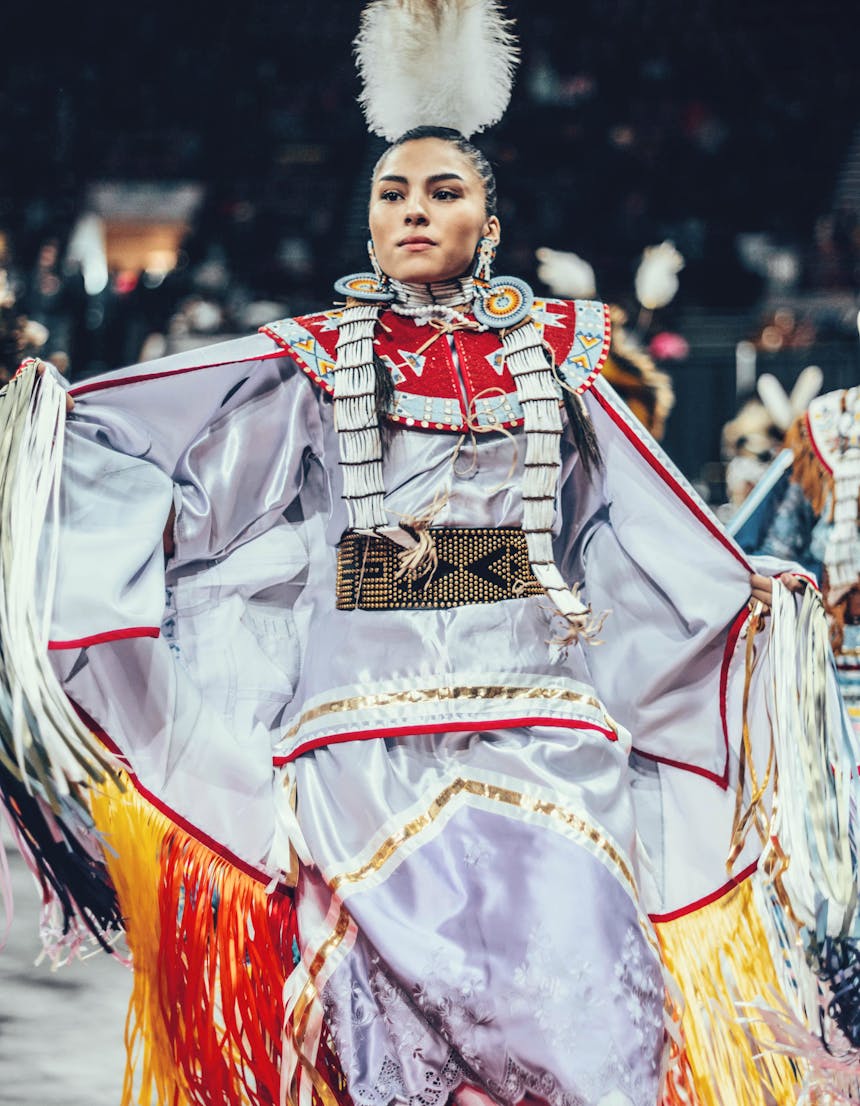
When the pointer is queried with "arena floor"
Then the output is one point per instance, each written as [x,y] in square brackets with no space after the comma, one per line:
[60,1031]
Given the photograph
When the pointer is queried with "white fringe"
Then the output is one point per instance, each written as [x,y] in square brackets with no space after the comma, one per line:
[52,747]
[811,820]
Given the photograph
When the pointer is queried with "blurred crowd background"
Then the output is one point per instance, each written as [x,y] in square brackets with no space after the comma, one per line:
[171,174]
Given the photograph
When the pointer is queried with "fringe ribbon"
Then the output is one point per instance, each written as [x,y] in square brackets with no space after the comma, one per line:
[807,856]
[79,905]
[211,951]
[42,741]
[719,956]
[48,757]
[800,807]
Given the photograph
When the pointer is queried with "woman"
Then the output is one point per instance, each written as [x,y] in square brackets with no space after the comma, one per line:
[378,840]
[467,902]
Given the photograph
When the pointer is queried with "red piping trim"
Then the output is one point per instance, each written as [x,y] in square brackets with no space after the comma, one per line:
[731,643]
[168,812]
[666,476]
[699,904]
[722,779]
[440,727]
[811,438]
[100,385]
[108,635]
[718,778]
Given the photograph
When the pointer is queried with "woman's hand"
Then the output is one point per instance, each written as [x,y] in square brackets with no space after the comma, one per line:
[70,399]
[761,587]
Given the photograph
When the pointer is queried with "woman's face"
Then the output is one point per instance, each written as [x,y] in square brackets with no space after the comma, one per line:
[427,212]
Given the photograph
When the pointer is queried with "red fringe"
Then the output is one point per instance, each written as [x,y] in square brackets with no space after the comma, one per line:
[206,1017]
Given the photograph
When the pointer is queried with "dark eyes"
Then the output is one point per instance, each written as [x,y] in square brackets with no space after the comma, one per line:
[391,195]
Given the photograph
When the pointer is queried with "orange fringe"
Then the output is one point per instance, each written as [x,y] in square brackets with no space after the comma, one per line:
[815,481]
[679,1084]
[211,951]
[719,956]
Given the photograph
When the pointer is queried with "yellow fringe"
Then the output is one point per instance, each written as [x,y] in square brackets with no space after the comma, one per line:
[719,956]
[211,949]
[134,831]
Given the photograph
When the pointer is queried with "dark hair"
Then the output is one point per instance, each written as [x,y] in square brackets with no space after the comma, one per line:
[479,162]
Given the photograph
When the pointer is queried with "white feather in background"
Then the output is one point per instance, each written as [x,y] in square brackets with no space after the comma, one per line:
[566,274]
[656,279]
[446,63]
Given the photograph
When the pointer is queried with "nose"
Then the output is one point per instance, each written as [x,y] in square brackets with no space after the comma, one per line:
[415,215]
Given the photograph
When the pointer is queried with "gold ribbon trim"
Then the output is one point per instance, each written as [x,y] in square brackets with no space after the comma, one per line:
[496,794]
[447,693]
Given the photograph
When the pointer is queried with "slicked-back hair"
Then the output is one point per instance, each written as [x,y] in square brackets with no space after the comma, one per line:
[478,160]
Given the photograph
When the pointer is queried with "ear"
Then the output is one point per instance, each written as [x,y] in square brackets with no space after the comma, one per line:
[493,229]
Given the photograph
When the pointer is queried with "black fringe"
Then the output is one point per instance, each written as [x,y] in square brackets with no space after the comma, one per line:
[79,882]
[837,961]
[584,435]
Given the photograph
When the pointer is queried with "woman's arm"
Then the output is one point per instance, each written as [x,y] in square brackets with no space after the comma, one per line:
[762,586]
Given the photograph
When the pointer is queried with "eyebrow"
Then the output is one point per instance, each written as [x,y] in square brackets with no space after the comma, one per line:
[434,179]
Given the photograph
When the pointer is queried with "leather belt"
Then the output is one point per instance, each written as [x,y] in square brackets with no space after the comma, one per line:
[474,566]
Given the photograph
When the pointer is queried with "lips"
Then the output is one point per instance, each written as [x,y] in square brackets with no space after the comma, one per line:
[416,243]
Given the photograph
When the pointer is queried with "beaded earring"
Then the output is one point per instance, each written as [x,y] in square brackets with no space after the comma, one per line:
[377,271]
[485,255]
[368,287]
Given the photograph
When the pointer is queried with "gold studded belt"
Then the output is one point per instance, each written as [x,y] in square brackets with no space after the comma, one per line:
[472,566]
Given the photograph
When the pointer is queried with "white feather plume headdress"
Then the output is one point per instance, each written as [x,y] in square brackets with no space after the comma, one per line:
[444,63]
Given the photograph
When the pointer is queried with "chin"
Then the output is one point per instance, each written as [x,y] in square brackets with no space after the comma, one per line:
[427,273]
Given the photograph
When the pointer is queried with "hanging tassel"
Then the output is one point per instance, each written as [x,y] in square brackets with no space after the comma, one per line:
[798,801]
[582,431]
[536,388]
[356,418]
[42,740]
[79,903]
[808,843]
[48,756]
[385,394]
[421,559]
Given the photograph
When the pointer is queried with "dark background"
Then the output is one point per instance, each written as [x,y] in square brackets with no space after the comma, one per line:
[730,128]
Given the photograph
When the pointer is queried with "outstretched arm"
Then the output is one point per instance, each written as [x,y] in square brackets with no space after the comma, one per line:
[762,586]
